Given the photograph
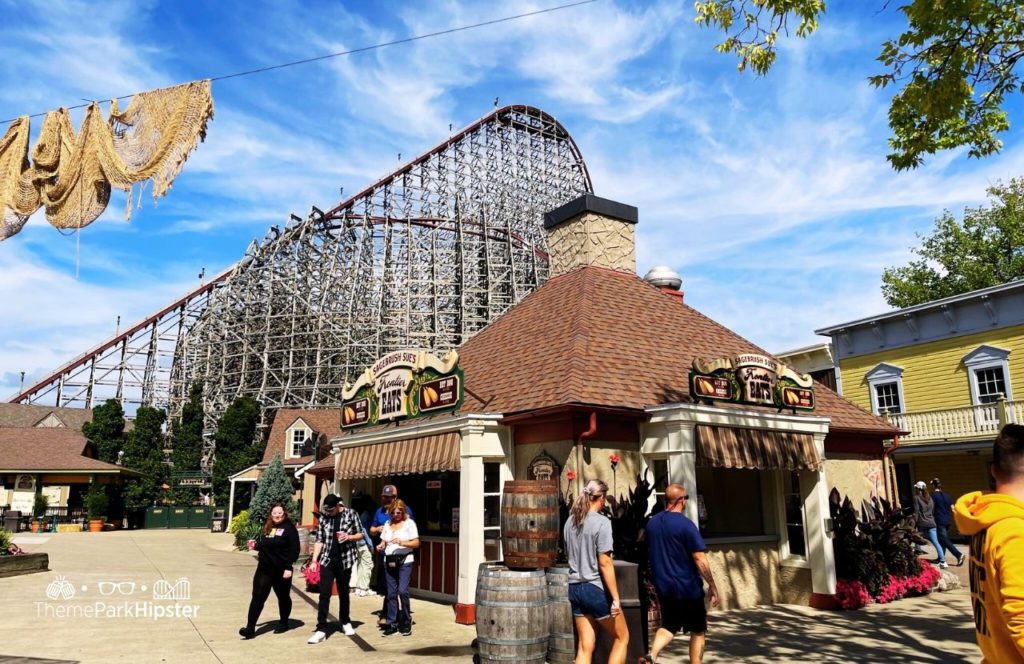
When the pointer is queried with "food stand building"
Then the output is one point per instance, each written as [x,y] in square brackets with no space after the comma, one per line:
[593,376]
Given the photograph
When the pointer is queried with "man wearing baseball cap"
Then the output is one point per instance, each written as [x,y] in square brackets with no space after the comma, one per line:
[337,535]
[943,518]
[388,494]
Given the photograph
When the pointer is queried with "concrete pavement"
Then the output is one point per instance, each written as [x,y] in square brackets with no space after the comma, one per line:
[111,597]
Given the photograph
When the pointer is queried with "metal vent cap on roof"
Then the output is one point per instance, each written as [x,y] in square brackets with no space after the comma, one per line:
[664,277]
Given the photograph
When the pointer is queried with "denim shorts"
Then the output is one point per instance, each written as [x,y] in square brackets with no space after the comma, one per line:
[588,599]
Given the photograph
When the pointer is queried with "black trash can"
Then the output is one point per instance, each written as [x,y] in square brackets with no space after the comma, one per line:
[12,520]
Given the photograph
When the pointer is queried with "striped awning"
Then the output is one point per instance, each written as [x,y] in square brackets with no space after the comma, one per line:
[401,457]
[727,447]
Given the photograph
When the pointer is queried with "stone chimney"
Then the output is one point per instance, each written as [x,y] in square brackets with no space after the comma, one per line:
[591,231]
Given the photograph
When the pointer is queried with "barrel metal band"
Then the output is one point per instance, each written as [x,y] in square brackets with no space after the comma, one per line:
[511,642]
[512,605]
[526,534]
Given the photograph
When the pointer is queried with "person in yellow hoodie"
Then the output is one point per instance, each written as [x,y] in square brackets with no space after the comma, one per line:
[995,524]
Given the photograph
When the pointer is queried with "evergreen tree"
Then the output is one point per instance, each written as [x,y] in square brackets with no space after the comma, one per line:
[236,444]
[187,441]
[143,452]
[106,430]
[274,487]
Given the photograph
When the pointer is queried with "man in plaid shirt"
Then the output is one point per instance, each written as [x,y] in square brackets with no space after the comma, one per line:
[337,535]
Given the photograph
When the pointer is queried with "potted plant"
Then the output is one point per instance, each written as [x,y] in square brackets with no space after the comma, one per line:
[96,504]
[39,512]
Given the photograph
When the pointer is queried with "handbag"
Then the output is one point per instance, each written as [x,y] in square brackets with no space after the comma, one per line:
[311,571]
[394,560]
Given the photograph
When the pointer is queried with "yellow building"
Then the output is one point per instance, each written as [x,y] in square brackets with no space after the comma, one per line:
[944,372]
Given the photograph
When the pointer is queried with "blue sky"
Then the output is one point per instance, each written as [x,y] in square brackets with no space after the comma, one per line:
[771,197]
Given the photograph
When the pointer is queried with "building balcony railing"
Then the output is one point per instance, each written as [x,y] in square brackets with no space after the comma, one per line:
[957,424]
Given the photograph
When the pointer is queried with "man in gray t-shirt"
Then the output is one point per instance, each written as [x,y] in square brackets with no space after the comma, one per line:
[579,547]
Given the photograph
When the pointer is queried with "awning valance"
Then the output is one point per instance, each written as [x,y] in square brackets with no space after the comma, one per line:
[401,457]
[726,447]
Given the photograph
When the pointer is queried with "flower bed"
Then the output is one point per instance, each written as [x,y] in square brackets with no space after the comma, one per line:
[853,595]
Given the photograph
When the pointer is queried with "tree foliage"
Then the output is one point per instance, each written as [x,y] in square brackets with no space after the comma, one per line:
[954,64]
[144,452]
[106,430]
[236,444]
[985,249]
[274,487]
[187,441]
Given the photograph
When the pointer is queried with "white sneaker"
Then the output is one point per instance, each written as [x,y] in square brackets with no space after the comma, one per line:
[348,629]
[943,564]
[317,637]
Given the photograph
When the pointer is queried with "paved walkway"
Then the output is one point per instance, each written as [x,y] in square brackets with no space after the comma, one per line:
[211,584]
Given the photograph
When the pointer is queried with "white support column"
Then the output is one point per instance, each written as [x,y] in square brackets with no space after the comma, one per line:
[820,554]
[231,503]
[471,529]
[682,465]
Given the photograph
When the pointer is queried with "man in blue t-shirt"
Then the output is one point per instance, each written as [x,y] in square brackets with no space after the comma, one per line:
[679,567]
[943,518]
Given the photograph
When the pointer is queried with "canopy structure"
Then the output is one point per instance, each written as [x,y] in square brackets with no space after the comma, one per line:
[401,457]
[726,447]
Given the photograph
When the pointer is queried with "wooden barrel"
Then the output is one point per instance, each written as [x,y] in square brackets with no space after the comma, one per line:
[529,524]
[511,615]
[561,637]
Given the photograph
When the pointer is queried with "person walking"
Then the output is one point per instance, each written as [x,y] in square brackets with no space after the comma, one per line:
[363,568]
[924,515]
[388,494]
[943,518]
[278,546]
[337,535]
[398,538]
[995,524]
[679,567]
[593,591]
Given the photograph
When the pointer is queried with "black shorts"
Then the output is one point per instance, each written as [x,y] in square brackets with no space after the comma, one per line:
[688,615]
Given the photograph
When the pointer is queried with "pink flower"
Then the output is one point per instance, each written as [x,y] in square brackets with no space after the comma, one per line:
[570,475]
[851,594]
[614,459]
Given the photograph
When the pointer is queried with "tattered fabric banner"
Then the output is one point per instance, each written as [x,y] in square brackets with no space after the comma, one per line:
[72,176]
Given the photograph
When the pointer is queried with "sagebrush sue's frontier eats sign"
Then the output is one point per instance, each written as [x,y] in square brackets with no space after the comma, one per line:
[751,379]
[402,384]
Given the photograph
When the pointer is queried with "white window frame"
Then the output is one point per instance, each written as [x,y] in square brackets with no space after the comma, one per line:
[786,557]
[987,357]
[290,451]
[503,476]
[884,374]
[649,461]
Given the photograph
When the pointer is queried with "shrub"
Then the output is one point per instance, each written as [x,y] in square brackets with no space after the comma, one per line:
[6,539]
[244,529]
[241,519]
[39,505]
[876,552]
[96,502]
[851,594]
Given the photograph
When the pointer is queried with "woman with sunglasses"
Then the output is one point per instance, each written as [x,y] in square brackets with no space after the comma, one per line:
[278,544]
[398,538]
[593,593]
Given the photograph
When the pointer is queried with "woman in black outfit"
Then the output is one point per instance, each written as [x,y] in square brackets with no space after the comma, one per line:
[279,549]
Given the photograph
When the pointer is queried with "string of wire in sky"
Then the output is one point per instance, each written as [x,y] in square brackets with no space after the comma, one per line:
[361,49]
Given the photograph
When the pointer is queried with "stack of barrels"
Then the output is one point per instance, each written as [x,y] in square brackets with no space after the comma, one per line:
[522,606]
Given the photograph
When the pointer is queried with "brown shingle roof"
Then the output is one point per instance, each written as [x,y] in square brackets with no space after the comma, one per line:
[19,415]
[48,449]
[601,337]
[326,422]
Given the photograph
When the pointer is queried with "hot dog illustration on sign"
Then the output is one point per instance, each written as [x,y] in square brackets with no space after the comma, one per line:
[754,379]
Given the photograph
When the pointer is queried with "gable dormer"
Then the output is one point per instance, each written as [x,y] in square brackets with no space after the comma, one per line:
[298,439]
[51,421]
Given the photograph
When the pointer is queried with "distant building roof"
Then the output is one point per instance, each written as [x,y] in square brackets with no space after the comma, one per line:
[325,422]
[1017,284]
[30,415]
[34,449]
[596,336]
